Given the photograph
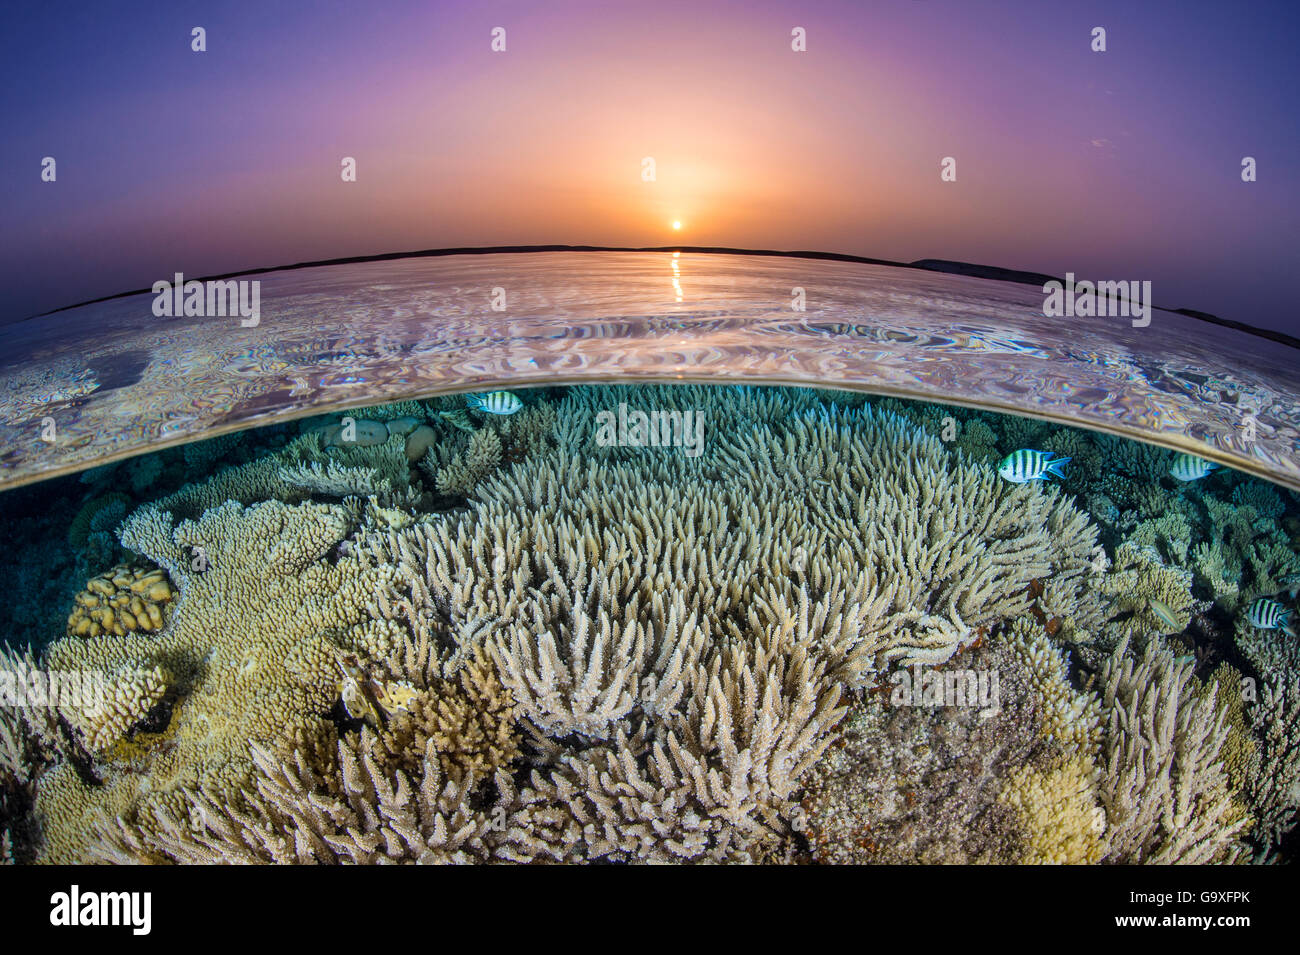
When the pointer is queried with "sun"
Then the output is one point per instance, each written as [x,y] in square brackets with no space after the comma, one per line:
[677,224]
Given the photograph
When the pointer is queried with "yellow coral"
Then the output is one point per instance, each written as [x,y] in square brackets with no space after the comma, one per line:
[123,600]
[1062,821]
[1070,718]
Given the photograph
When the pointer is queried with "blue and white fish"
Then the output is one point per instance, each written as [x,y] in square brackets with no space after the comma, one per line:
[1026,465]
[1188,467]
[496,402]
[1267,614]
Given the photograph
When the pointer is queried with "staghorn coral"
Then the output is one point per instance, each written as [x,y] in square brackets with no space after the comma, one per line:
[1166,793]
[429,786]
[1135,579]
[606,653]
[1274,790]
[629,634]
[1275,654]
[463,473]
[1132,459]
[1241,755]
[1246,552]
[1069,719]
[708,781]
[201,455]
[99,513]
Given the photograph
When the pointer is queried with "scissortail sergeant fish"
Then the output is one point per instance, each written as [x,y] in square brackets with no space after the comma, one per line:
[1188,467]
[496,402]
[1267,614]
[1026,465]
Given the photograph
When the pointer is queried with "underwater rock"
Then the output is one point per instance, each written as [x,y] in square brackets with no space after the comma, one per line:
[419,442]
[401,427]
[359,434]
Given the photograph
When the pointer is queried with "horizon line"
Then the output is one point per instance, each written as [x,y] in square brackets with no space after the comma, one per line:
[968,269]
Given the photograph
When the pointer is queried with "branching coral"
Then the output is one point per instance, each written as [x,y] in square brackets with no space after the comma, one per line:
[480,458]
[1058,813]
[1166,793]
[1068,718]
[601,651]
[1274,790]
[428,787]
[1136,579]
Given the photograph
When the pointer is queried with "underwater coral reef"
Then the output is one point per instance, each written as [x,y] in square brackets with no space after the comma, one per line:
[437,632]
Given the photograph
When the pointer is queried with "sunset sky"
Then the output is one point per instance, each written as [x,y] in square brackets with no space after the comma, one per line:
[1117,165]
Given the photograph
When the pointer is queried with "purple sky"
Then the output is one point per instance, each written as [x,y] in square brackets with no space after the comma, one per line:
[1116,165]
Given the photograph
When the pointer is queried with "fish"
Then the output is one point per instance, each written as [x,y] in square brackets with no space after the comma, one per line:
[1188,467]
[1291,585]
[1026,465]
[459,419]
[496,402]
[1267,614]
[1166,616]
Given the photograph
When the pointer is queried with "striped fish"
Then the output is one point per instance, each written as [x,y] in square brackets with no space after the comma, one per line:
[1026,465]
[496,402]
[1267,614]
[1188,467]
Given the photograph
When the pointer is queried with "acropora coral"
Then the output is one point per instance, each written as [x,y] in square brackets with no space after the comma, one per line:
[616,653]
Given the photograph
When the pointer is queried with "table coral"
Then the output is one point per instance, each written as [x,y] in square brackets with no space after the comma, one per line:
[250,645]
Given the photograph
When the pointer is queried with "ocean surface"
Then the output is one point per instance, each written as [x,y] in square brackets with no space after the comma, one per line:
[116,380]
